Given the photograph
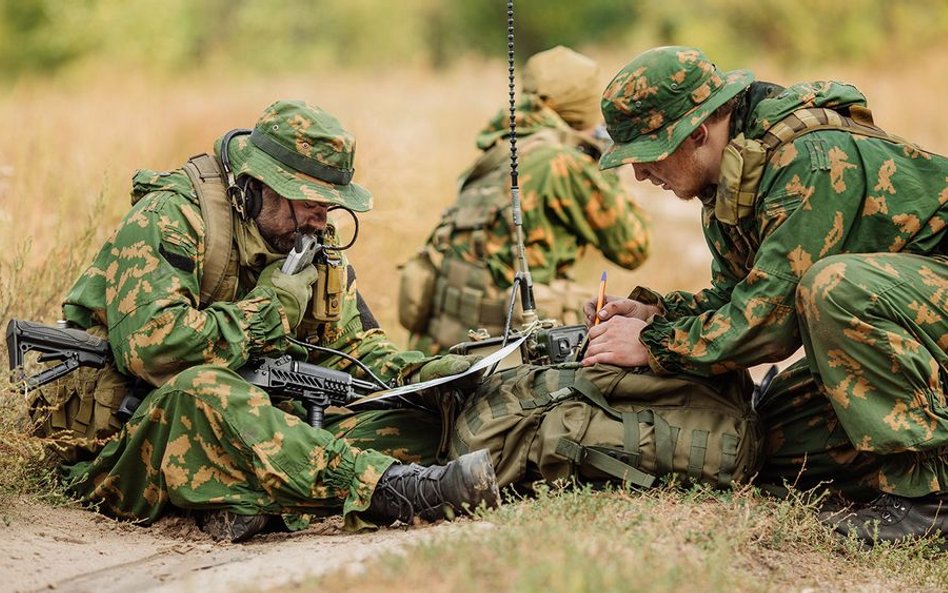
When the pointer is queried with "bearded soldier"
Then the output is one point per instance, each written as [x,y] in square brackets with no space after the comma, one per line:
[826,232]
[461,279]
[188,289]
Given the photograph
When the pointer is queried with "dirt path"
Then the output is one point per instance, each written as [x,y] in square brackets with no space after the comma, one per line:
[73,551]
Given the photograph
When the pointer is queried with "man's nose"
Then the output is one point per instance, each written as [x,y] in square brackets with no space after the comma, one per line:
[312,219]
[641,171]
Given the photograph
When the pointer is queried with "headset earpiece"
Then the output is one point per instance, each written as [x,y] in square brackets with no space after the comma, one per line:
[253,195]
[240,198]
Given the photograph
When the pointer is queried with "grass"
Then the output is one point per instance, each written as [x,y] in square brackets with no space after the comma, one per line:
[64,178]
[660,541]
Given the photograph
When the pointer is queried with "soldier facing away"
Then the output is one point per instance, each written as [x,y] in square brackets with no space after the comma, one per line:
[203,439]
[826,232]
[568,204]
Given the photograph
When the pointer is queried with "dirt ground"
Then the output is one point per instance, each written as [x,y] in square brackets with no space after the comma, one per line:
[70,550]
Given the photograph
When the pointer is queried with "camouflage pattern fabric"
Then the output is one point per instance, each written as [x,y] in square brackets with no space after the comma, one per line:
[205,438]
[866,410]
[843,253]
[411,436]
[567,203]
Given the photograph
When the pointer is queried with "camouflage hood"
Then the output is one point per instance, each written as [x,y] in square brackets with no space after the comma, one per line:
[828,94]
[532,115]
[146,181]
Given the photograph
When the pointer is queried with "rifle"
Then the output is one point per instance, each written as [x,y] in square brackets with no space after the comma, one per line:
[315,387]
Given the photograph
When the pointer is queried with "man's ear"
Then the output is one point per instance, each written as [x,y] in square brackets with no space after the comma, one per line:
[701,135]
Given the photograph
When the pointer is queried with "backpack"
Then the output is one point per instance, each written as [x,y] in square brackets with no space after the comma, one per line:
[607,423]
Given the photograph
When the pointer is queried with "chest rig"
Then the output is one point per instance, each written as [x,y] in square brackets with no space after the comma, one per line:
[221,268]
[744,160]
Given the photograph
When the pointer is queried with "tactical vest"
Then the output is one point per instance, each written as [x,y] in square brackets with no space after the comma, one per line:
[744,161]
[464,295]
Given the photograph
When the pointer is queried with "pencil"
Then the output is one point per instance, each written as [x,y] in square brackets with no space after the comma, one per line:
[602,296]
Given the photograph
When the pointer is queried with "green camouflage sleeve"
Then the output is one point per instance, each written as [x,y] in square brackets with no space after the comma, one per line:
[151,274]
[357,333]
[728,262]
[568,203]
[807,211]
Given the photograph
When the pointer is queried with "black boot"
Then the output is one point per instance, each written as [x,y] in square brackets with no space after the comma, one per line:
[891,518]
[438,492]
[223,525]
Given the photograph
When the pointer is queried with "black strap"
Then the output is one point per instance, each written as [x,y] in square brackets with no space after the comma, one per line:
[299,162]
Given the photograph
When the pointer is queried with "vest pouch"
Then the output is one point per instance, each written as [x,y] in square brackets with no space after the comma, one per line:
[416,287]
[326,304]
[76,414]
[742,165]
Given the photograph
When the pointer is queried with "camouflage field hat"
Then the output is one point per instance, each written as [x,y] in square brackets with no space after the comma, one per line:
[661,97]
[302,153]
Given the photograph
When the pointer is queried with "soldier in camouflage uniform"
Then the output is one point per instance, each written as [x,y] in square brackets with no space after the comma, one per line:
[568,205]
[203,439]
[826,232]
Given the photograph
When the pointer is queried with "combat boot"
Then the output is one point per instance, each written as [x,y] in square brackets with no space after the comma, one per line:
[891,518]
[407,492]
[224,525]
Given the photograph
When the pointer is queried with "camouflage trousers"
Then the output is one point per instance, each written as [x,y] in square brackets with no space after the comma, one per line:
[208,440]
[866,410]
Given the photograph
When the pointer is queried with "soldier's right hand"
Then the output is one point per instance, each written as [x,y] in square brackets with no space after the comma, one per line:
[623,307]
[294,291]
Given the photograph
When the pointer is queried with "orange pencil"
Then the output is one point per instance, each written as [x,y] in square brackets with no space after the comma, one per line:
[602,296]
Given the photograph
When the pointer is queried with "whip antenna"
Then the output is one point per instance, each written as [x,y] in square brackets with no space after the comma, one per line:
[522,277]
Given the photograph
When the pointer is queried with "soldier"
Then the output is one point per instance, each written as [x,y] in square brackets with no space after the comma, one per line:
[826,232]
[203,439]
[468,264]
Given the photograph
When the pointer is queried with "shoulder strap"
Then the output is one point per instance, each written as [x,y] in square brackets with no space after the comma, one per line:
[744,161]
[803,121]
[208,180]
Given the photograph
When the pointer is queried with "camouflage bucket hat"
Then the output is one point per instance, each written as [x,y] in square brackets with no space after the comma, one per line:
[302,153]
[661,97]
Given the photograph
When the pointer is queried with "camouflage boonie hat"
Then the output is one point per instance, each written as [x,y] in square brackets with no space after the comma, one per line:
[302,153]
[661,97]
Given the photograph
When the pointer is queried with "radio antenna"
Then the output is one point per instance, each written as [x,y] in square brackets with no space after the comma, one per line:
[522,278]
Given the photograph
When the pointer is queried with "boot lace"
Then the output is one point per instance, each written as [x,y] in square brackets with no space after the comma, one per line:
[412,492]
[884,504]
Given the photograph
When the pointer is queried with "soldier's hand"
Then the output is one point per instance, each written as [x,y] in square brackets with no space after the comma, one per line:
[621,307]
[444,365]
[293,290]
[616,341]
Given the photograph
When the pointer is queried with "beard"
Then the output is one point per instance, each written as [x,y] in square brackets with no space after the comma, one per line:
[279,243]
[278,239]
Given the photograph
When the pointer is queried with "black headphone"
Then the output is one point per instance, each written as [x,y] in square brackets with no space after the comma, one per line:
[244,193]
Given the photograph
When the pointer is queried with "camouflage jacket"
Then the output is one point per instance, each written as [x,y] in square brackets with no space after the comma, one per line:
[567,202]
[825,193]
[144,286]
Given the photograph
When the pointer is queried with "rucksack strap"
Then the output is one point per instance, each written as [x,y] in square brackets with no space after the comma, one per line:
[208,180]
[666,442]
[598,458]
[811,119]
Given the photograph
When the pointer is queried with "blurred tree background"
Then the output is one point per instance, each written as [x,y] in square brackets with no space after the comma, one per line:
[44,37]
